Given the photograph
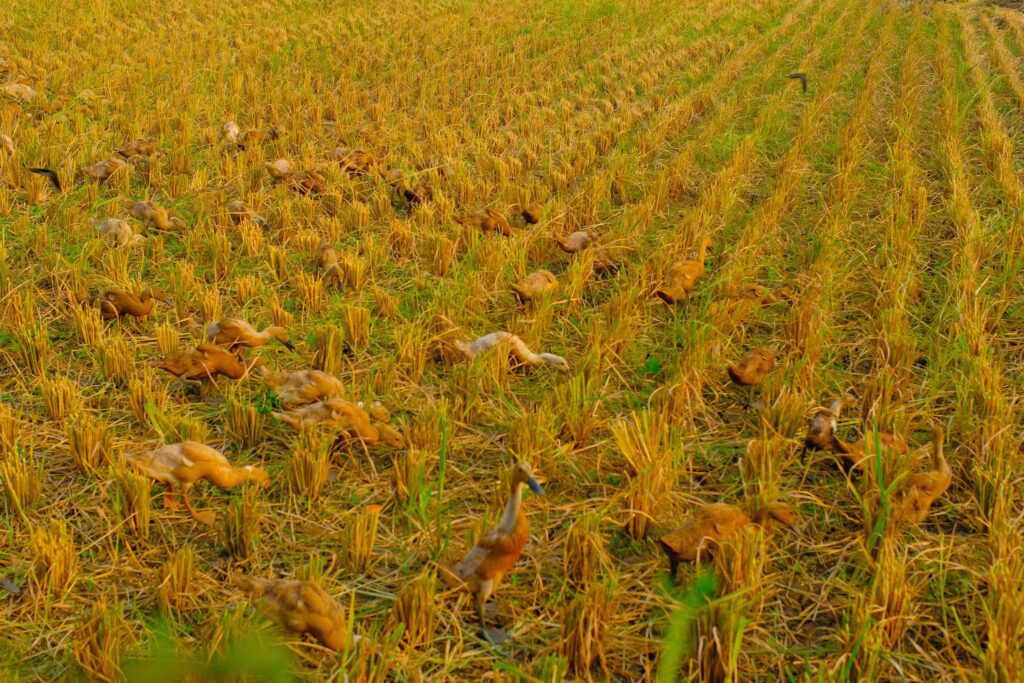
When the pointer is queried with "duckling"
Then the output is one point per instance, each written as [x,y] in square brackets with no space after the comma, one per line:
[575,242]
[753,367]
[300,607]
[531,214]
[300,388]
[713,524]
[822,425]
[142,148]
[181,465]
[235,333]
[487,220]
[917,493]
[334,413]
[683,276]
[853,455]
[327,258]
[496,553]
[518,348]
[354,161]
[115,303]
[102,170]
[117,232]
[153,214]
[239,211]
[7,144]
[204,362]
[534,285]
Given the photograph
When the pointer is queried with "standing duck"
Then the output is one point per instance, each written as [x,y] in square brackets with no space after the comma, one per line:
[235,333]
[683,276]
[715,523]
[496,553]
[181,465]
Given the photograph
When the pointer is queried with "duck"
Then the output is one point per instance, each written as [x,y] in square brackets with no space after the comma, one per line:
[235,333]
[116,303]
[765,296]
[303,182]
[7,144]
[917,493]
[300,607]
[753,367]
[534,285]
[714,523]
[142,148]
[354,161]
[497,552]
[853,455]
[302,387]
[575,242]
[349,418]
[683,276]
[822,425]
[180,465]
[234,135]
[413,194]
[19,91]
[204,362]
[239,211]
[153,214]
[487,220]
[118,232]
[327,258]
[517,347]
[531,214]
[102,170]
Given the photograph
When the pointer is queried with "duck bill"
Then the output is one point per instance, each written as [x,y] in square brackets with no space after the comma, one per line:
[534,486]
[288,345]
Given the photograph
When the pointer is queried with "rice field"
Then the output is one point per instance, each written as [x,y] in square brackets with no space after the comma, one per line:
[854,164]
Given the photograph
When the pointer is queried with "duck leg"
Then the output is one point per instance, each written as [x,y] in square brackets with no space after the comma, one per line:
[495,636]
[207,517]
[171,501]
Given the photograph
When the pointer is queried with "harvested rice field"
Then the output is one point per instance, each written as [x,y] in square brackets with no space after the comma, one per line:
[532,340]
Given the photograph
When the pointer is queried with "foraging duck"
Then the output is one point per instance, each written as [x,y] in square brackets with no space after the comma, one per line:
[235,333]
[354,161]
[303,182]
[300,607]
[117,232]
[917,493]
[239,211]
[852,455]
[205,362]
[713,524]
[575,242]
[496,553]
[19,91]
[153,214]
[181,465]
[327,258]
[534,285]
[302,387]
[413,194]
[753,367]
[518,348]
[142,148]
[487,220]
[822,425]
[337,413]
[683,276]
[531,214]
[116,303]
[102,170]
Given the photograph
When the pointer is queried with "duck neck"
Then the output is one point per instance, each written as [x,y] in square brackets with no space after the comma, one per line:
[227,477]
[836,408]
[512,508]
[939,457]
[703,251]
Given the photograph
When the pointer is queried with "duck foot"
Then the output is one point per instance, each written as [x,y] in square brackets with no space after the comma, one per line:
[206,517]
[495,636]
